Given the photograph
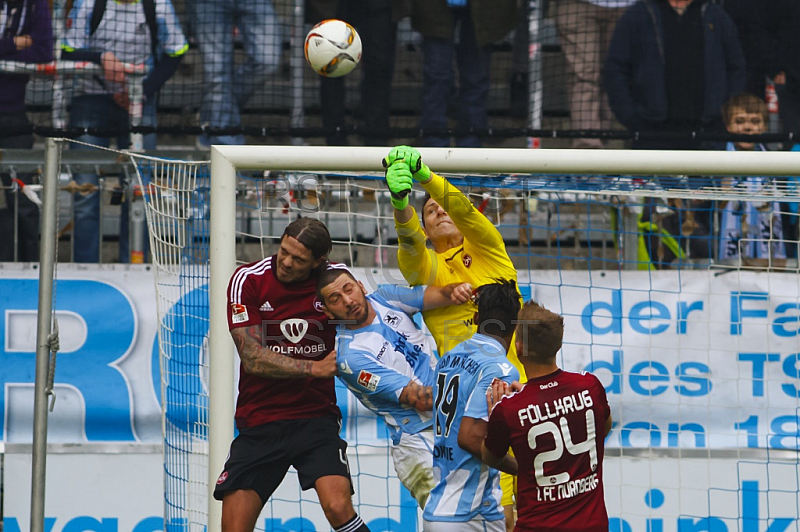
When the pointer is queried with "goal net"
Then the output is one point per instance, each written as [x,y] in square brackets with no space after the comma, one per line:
[676,273]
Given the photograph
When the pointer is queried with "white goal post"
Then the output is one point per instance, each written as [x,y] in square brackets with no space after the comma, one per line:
[227,160]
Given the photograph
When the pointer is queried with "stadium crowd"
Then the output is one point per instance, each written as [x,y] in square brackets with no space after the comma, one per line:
[658,74]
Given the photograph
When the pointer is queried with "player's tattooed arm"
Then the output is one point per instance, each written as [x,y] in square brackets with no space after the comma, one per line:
[264,362]
[417,396]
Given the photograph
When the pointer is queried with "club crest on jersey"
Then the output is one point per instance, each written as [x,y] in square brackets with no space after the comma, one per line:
[294,329]
[467,260]
[223,477]
[318,306]
[392,320]
[266,307]
[238,313]
[368,380]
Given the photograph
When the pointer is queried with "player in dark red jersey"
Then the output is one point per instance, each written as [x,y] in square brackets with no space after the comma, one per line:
[556,425]
[286,412]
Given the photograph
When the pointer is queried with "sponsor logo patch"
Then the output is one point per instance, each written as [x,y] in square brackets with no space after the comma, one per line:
[294,329]
[382,350]
[266,307]
[368,380]
[238,313]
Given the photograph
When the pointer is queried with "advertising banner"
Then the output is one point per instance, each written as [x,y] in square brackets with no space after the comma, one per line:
[701,368]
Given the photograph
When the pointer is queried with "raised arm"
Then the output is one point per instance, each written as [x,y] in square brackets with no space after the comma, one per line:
[475,227]
[413,257]
[263,362]
[417,396]
[494,448]
[444,296]
[472,224]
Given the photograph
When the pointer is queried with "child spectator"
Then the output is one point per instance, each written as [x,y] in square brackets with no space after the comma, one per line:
[749,229]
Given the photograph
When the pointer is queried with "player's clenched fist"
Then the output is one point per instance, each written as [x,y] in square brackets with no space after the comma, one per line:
[412,158]
[326,367]
[461,293]
[399,181]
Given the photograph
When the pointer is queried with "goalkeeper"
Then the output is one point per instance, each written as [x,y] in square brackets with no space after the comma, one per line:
[467,247]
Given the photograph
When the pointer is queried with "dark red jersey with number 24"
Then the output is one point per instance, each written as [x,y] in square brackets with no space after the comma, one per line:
[556,427]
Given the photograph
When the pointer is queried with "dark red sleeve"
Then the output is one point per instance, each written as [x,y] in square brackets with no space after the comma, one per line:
[498,435]
[243,304]
[600,399]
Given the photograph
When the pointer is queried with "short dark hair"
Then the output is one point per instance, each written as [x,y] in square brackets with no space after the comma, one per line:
[312,234]
[540,331]
[498,305]
[744,101]
[328,276]
[425,199]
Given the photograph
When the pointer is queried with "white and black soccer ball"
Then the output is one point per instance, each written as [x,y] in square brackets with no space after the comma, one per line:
[333,48]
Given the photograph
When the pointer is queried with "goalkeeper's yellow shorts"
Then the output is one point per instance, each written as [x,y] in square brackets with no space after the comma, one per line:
[508,483]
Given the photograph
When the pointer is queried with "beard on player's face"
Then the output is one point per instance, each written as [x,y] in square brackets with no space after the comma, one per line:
[354,310]
[294,261]
[346,300]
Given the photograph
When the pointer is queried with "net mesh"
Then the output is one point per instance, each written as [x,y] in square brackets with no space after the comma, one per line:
[680,293]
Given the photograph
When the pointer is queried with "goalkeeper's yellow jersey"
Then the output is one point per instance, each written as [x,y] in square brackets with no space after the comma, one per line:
[480,260]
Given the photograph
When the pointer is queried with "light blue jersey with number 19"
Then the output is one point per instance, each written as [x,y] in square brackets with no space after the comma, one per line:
[465,487]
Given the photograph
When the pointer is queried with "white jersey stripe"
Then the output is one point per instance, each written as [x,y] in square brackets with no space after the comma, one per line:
[454,487]
[477,498]
[240,277]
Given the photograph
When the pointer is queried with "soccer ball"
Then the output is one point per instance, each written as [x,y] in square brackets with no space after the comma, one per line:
[333,48]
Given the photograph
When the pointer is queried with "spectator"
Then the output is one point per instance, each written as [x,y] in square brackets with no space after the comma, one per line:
[463,29]
[746,15]
[584,31]
[386,362]
[376,24]
[777,29]
[539,443]
[226,85]
[670,67]
[112,33]
[27,36]
[749,229]
[677,231]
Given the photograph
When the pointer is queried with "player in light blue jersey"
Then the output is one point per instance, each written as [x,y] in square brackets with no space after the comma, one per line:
[385,360]
[467,494]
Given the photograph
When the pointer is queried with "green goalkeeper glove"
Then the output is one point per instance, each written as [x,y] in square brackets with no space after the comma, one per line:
[399,181]
[412,158]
